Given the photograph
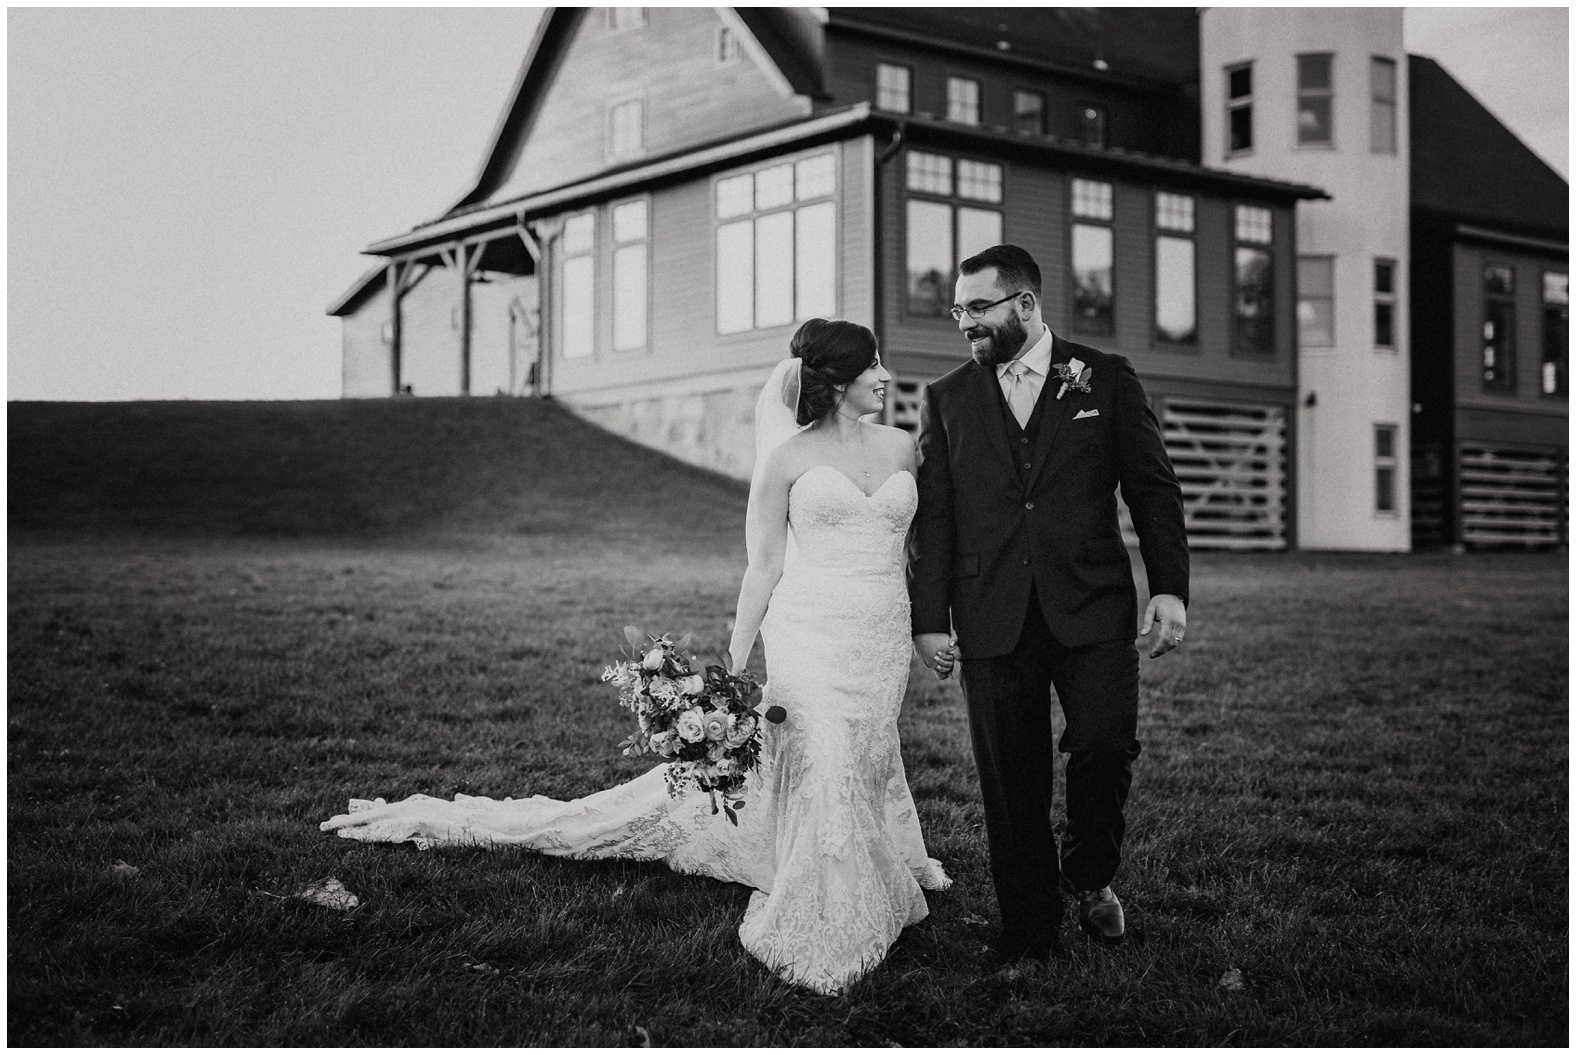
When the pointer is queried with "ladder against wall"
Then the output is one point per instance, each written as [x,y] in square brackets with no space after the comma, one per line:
[1231,462]
[1513,497]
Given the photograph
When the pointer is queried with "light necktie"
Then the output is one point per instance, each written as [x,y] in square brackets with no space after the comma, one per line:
[1020,394]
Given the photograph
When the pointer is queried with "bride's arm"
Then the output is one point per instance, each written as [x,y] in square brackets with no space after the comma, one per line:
[767,535]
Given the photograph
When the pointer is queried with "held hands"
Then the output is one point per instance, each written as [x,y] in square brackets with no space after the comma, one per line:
[1169,611]
[939,652]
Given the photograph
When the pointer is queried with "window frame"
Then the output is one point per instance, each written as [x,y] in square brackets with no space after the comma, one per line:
[610,143]
[908,89]
[1506,381]
[956,202]
[566,256]
[644,242]
[1268,247]
[1235,103]
[791,208]
[979,100]
[638,19]
[1019,94]
[1326,94]
[1159,340]
[1302,295]
[1386,299]
[726,48]
[1074,220]
[1376,102]
[1561,388]
[1391,464]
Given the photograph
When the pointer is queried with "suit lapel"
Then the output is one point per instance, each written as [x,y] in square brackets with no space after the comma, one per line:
[985,407]
[1055,409]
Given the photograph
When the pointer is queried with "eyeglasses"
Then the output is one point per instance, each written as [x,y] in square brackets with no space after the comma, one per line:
[978,311]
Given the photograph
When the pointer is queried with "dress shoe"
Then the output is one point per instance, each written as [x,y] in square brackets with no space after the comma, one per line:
[1100,915]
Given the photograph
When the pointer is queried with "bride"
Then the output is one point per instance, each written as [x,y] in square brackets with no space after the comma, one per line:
[830,841]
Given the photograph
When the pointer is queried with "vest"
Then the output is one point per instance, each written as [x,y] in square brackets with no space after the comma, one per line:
[1021,439]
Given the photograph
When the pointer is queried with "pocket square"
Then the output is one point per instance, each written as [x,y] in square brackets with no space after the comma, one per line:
[1086,414]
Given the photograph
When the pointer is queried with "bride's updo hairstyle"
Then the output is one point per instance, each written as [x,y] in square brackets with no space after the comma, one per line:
[832,354]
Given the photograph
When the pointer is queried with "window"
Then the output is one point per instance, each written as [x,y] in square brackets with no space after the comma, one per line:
[1315,99]
[1254,275]
[1316,301]
[1384,304]
[579,282]
[622,18]
[894,88]
[1381,121]
[1176,284]
[1094,297]
[727,46]
[1028,112]
[1556,332]
[1239,108]
[629,275]
[626,135]
[1499,328]
[1384,469]
[1091,125]
[963,100]
[940,233]
[777,244]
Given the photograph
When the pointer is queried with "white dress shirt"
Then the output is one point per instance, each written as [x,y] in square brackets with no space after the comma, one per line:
[1038,361]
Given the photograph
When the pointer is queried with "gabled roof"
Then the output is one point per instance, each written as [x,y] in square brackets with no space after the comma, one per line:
[1133,45]
[1467,166]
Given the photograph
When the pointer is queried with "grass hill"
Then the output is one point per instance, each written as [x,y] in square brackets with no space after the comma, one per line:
[378,468]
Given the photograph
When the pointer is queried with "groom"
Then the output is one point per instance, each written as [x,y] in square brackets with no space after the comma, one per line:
[1017,552]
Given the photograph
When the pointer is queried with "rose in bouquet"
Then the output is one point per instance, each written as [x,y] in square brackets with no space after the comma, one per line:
[705,722]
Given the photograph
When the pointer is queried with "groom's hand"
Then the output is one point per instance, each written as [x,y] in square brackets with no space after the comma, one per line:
[1169,611]
[937,651]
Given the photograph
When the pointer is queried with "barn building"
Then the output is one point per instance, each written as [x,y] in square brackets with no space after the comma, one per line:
[670,191]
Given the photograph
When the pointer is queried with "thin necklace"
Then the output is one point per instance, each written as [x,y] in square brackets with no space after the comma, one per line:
[864,451]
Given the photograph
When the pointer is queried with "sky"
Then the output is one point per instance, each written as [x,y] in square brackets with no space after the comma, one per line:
[188,189]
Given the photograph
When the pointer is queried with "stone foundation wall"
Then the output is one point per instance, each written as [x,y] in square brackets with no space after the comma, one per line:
[714,430]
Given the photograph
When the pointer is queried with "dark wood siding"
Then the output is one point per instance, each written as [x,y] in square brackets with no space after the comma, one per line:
[689,98]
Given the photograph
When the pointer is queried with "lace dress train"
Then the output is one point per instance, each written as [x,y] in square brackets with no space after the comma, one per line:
[829,841]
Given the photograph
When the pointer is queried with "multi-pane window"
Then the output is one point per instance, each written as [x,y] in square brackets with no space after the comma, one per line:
[1028,112]
[1384,469]
[1239,108]
[1381,127]
[626,132]
[1556,332]
[727,50]
[777,245]
[1315,99]
[1316,301]
[1384,304]
[579,286]
[1499,328]
[1176,283]
[894,88]
[963,100]
[629,275]
[1093,258]
[943,232]
[1253,330]
[622,18]
[1091,124]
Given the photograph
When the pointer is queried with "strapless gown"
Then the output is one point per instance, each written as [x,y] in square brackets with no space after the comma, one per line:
[829,841]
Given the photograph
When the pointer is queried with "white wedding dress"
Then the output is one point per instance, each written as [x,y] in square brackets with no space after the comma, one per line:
[829,838]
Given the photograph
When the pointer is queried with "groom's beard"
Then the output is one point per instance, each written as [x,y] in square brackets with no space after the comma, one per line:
[1004,343]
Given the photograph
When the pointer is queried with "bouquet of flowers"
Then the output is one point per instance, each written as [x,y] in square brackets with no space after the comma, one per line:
[704,722]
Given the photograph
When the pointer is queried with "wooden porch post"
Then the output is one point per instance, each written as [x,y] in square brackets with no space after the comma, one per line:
[396,279]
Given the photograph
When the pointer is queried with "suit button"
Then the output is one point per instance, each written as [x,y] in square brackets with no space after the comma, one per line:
[1024,440]
[1028,505]
[1026,465]
[1026,560]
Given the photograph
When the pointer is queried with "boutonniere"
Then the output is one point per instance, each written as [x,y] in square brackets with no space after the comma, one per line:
[1074,374]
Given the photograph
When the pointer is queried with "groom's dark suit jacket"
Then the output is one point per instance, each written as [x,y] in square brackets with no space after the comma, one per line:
[987,529]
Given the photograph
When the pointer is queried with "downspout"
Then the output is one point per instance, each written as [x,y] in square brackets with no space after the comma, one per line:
[879,277]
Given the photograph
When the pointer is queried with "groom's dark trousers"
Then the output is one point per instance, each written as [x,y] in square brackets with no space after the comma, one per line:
[1017,550]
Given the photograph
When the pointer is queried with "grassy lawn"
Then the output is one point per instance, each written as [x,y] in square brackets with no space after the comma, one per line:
[1353,788]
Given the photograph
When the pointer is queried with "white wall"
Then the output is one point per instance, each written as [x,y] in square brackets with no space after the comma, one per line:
[1352,385]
